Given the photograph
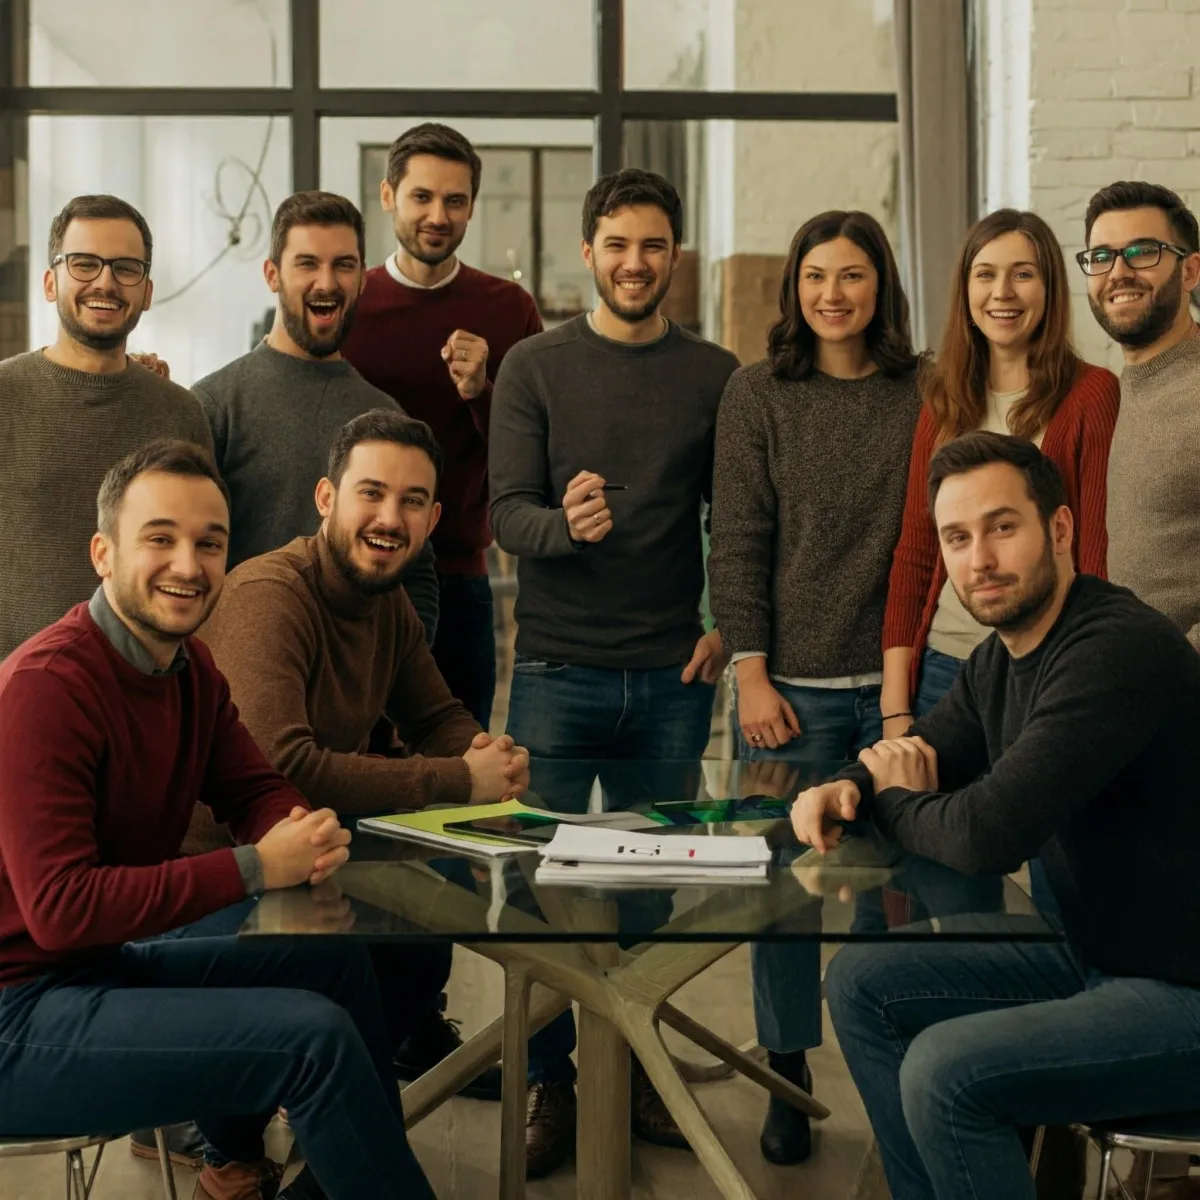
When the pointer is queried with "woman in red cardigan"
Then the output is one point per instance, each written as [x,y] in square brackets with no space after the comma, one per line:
[1005,363]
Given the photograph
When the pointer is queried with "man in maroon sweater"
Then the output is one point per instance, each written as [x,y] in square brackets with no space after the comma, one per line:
[432,332]
[114,724]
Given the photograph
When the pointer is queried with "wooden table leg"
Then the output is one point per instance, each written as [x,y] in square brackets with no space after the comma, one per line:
[516,1062]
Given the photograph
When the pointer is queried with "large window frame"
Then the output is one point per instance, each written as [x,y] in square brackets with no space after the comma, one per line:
[306,102]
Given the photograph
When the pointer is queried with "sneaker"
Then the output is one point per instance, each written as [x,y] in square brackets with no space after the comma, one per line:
[549,1127]
[185,1146]
[434,1039]
[786,1136]
[649,1118]
[239,1181]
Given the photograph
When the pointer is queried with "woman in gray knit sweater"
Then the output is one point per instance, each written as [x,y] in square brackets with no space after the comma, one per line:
[811,464]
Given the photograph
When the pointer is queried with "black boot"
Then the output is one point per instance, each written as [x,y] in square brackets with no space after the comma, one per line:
[786,1137]
[436,1038]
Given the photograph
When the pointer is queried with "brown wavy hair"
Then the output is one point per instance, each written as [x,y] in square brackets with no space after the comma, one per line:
[955,384]
[791,342]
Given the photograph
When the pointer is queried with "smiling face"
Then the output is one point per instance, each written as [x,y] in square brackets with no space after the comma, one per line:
[1006,291]
[379,515]
[838,288]
[318,280]
[1001,559]
[164,563]
[632,257]
[1136,308]
[103,313]
[431,207]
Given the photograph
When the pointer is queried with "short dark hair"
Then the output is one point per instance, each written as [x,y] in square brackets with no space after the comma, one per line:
[97,208]
[792,342]
[1125,194]
[1043,481]
[315,208]
[382,425]
[628,186]
[171,455]
[438,140]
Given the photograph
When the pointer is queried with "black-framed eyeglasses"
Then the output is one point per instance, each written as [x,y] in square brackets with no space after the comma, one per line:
[1138,256]
[83,268]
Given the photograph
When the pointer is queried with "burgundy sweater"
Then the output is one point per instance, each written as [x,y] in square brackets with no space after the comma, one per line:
[100,768]
[396,343]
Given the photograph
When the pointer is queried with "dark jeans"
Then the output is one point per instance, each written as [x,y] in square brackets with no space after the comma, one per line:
[641,733]
[465,646]
[835,724]
[954,1047]
[224,1032]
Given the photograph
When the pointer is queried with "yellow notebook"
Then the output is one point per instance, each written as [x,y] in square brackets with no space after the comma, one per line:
[428,827]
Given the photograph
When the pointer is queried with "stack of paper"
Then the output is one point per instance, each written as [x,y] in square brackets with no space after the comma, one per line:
[581,855]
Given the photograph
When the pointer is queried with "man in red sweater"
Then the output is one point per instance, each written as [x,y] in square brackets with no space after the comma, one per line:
[114,724]
[432,332]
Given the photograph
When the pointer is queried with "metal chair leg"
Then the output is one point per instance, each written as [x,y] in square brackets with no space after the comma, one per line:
[1149,1177]
[164,1158]
[1035,1153]
[77,1175]
[1106,1153]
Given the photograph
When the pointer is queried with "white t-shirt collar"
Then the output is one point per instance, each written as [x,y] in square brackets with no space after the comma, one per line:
[394,271]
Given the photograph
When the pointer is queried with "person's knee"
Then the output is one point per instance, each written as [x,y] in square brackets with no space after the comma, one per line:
[932,1079]
[849,978]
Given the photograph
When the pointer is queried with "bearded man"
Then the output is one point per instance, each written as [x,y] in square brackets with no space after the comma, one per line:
[70,410]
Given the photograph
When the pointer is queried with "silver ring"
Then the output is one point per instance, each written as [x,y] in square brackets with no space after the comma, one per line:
[463,355]
[597,518]
[756,738]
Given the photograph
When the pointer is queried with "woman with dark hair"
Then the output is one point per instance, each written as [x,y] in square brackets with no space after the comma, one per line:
[811,464]
[1006,364]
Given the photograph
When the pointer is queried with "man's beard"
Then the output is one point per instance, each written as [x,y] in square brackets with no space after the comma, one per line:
[610,294]
[409,236]
[1154,321]
[139,612]
[80,333]
[341,548]
[1029,602]
[295,321]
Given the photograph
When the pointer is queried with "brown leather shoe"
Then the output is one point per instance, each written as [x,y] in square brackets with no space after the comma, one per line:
[549,1127]
[649,1118]
[239,1181]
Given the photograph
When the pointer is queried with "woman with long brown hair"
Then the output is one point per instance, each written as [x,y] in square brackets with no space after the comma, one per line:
[1005,363]
[808,491]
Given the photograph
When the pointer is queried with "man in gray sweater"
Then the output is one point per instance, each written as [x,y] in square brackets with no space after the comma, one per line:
[1142,262]
[600,460]
[275,411]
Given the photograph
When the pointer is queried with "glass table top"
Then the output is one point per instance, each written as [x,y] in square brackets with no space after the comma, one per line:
[865,889]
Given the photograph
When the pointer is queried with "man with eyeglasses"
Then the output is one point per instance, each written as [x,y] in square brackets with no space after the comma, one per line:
[1142,262]
[70,410]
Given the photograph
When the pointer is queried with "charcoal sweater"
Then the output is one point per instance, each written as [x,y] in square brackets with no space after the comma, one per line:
[640,416]
[1082,753]
[808,496]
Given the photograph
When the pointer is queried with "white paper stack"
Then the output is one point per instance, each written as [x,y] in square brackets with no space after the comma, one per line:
[582,855]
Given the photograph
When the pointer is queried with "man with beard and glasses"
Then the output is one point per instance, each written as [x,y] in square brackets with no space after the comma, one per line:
[114,725]
[275,411]
[432,332]
[1142,262]
[319,642]
[1069,735]
[70,410]
[601,460]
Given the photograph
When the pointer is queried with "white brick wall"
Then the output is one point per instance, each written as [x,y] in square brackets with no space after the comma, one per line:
[1114,93]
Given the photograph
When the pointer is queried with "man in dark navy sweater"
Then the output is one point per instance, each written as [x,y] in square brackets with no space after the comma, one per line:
[1069,736]
[114,724]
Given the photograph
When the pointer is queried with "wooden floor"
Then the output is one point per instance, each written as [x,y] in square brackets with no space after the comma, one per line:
[458,1145]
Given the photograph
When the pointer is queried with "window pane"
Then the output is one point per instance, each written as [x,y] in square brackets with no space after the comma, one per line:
[752,46]
[156,43]
[747,187]
[458,43]
[512,217]
[192,179]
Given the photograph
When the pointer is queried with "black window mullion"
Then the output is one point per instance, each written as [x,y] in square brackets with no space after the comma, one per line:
[306,87]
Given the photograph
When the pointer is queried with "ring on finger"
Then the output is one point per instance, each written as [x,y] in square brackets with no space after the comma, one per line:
[756,738]
[597,519]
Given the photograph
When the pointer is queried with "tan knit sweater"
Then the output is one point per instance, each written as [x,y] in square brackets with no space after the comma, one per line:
[313,665]
[1154,485]
[60,431]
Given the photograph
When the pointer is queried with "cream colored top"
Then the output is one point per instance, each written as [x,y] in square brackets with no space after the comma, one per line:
[954,631]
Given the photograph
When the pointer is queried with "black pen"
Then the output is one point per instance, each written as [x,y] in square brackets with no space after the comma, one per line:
[615,487]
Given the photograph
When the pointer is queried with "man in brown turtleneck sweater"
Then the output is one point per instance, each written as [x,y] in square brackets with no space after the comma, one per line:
[318,641]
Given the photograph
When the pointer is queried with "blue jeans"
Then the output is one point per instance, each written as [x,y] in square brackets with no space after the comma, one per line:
[953,1047]
[641,733]
[213,1029]
[835,724]
[465,645]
